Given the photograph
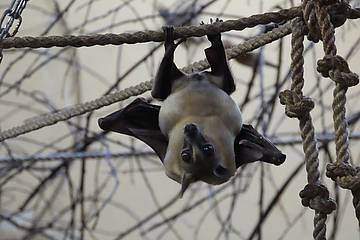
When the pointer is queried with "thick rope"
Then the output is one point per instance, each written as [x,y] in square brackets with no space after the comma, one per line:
[69,112]
[147,36]
[76,110]
[335,67]
[179,32]
[314,195]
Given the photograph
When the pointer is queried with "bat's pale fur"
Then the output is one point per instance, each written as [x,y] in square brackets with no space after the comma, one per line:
[198,99]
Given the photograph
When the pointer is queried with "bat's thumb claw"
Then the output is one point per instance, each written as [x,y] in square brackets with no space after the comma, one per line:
[101,123]
[281,159]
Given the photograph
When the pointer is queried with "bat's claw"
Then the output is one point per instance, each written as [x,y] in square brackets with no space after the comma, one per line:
[212,21]
[213,38]
[168,36]
[169,43]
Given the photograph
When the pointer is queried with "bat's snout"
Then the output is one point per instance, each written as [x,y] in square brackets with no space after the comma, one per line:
[191,130]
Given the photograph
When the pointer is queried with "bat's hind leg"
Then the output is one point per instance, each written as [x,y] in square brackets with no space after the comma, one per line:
[168,71]
[216,57]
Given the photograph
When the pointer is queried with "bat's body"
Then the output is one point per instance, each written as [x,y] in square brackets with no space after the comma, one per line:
[215,113]
[198,132]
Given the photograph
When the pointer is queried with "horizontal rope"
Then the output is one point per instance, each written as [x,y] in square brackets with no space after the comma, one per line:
[157,36]
[148,35]
[280,141]
[79,109]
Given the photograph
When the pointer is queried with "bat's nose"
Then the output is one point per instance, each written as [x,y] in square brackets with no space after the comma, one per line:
[190,130]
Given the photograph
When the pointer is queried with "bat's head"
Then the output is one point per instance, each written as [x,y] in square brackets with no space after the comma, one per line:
[202,158]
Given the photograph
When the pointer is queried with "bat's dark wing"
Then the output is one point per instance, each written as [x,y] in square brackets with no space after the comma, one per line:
[251,146]
[141,120]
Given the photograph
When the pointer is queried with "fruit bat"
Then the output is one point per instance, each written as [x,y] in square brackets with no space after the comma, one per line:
[198,132]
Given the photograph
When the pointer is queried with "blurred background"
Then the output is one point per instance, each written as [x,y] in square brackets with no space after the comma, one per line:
[72,181]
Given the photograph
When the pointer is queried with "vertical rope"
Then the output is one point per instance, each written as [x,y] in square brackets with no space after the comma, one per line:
[335,67]
[314,195]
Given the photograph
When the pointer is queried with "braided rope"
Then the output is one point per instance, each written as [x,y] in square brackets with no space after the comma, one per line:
[337,69]
[314,195]
[179,32]
[147,36]
[76,110]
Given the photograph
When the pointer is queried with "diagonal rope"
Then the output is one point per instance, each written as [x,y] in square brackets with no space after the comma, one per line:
[76,110]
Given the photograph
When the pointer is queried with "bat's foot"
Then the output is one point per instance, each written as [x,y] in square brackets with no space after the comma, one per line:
[169,43]
[169,37]
[215,39]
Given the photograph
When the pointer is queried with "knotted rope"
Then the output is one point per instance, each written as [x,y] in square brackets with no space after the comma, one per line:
[335,67]
[314,195]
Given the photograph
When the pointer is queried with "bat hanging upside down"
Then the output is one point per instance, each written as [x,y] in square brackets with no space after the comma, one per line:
[198,132]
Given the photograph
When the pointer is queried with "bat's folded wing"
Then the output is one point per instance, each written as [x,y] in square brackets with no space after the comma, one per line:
[251,146]
[141,120]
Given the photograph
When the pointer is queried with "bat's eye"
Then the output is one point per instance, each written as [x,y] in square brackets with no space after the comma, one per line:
[186,156]
[208,149]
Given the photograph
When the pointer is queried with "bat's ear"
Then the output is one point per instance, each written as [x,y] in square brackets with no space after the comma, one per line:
[251,146]
[186,180]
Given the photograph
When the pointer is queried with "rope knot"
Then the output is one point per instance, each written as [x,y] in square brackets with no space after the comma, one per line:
[346,175]
[296,106]
[338,11]
[338,70]
[309,15]
[316,196]
[327,2]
